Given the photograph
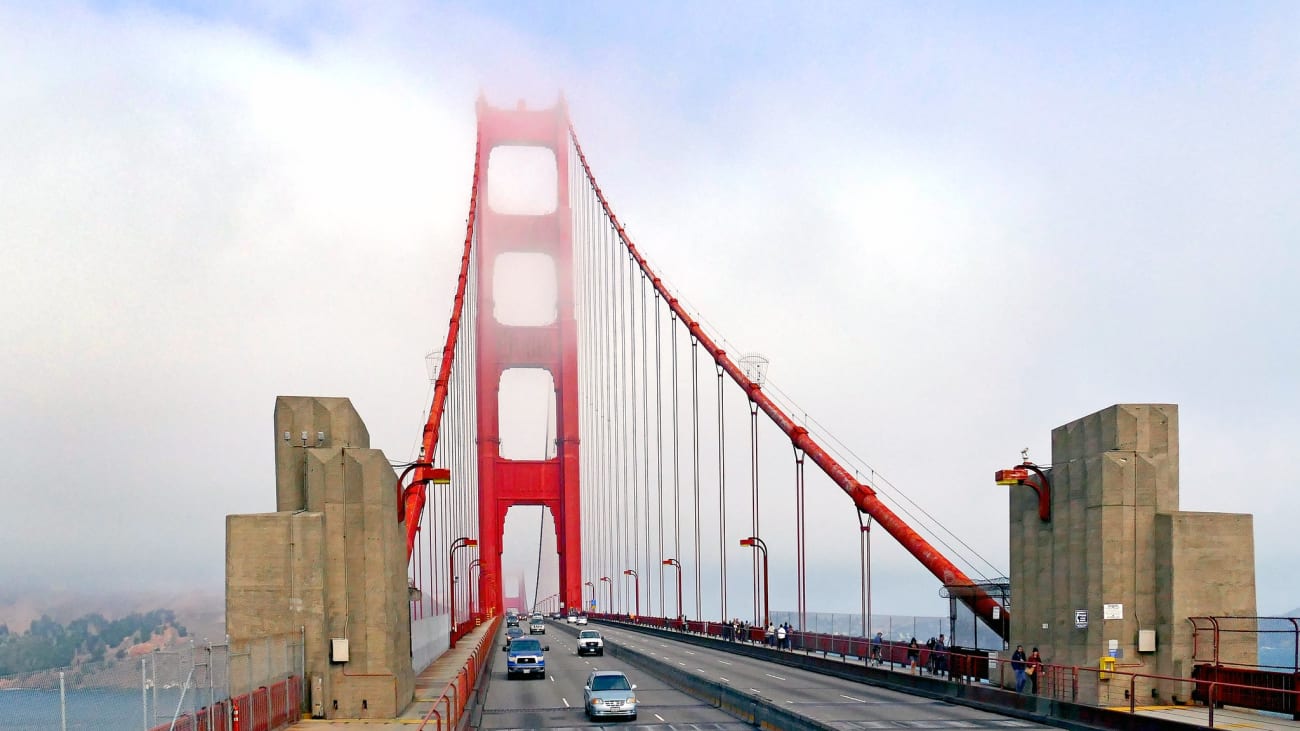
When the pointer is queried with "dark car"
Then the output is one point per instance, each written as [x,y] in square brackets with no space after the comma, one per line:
[512,633]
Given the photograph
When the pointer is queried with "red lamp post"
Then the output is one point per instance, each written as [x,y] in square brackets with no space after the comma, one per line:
[675,563]
[609,609]
[756,542]
[475,564]
[636,587]
[462,542]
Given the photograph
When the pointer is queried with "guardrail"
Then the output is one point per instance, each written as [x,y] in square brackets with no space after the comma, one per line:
[265,709]
[455,697]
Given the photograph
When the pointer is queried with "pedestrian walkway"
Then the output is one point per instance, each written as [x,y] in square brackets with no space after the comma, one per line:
[429,686]
[1197,716]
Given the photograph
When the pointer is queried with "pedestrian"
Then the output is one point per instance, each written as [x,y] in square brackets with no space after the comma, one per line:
[913,656]
[876,643]
[789,634]
[1034,669]
[769,635]
[781,636]
[1018,665]
[940,655]
[929,656]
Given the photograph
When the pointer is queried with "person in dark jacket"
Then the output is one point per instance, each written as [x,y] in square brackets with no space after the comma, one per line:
[1018,665]
[913,656]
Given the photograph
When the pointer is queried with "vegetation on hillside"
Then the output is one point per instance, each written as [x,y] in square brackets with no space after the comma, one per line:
[91,638]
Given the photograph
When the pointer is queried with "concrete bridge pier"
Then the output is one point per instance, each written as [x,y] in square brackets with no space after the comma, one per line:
[329,566]
[1118,568]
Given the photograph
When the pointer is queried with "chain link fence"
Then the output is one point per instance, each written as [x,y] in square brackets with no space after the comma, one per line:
[146,692]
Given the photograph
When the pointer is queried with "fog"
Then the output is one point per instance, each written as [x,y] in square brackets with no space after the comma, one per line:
[950,229]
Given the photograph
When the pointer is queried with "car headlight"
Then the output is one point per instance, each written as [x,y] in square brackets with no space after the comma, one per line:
[631,700]
[597,702]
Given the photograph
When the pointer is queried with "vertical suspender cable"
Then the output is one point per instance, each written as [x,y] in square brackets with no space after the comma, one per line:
[659,450]
[722,494]
[695,453]
[677,451]
[607,405]
[636,446]
[753,502]
[621,402]
[800,536]
[645,445]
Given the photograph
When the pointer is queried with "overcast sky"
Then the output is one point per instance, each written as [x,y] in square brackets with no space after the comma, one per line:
[951,227]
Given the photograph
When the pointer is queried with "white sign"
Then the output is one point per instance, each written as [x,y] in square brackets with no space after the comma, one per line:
[997,612]
[1112,611]
[1081,618]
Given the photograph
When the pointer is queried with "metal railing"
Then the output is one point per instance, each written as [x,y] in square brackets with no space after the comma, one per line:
[455,697]
[192,687]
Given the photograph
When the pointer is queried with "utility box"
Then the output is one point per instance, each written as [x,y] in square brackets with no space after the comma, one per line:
[338,649]
[1146,640]
[317,697]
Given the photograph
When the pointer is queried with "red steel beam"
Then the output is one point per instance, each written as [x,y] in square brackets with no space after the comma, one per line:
[862,495]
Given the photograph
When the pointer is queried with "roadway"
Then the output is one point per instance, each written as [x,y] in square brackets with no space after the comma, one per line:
[556,702]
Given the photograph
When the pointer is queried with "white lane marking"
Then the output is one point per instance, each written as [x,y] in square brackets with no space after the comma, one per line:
[756,690]
[778,677]
[723,679]
[724,662]
[859,700]
[552,677]
[566,702]
[661,718]
[699,670]
[679,662]
[662,644]
[688,652]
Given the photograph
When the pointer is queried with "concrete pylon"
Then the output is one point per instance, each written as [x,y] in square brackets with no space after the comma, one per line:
[1118,569]
[330,564]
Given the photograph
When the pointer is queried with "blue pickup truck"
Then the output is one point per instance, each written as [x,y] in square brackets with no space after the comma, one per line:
[525,656]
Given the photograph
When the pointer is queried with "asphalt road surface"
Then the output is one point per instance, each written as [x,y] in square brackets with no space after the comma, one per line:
[556,702]
[840,703]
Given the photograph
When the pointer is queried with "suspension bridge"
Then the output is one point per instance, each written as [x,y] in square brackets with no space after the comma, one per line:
[642,394]
[669,466]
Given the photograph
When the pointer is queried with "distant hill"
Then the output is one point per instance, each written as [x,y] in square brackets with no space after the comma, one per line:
[203,612]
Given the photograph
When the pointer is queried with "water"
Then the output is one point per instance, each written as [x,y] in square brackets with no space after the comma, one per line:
[92,710]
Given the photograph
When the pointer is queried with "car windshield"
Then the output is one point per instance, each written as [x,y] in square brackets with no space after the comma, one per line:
[514,632]
[526,645]
[610,682]
[589,633]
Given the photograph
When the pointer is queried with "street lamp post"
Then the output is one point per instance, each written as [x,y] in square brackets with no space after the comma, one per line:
[593,595]
[636,586]
[475,564]
[462,542]
[609,608]
[675,563]
[756,542]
